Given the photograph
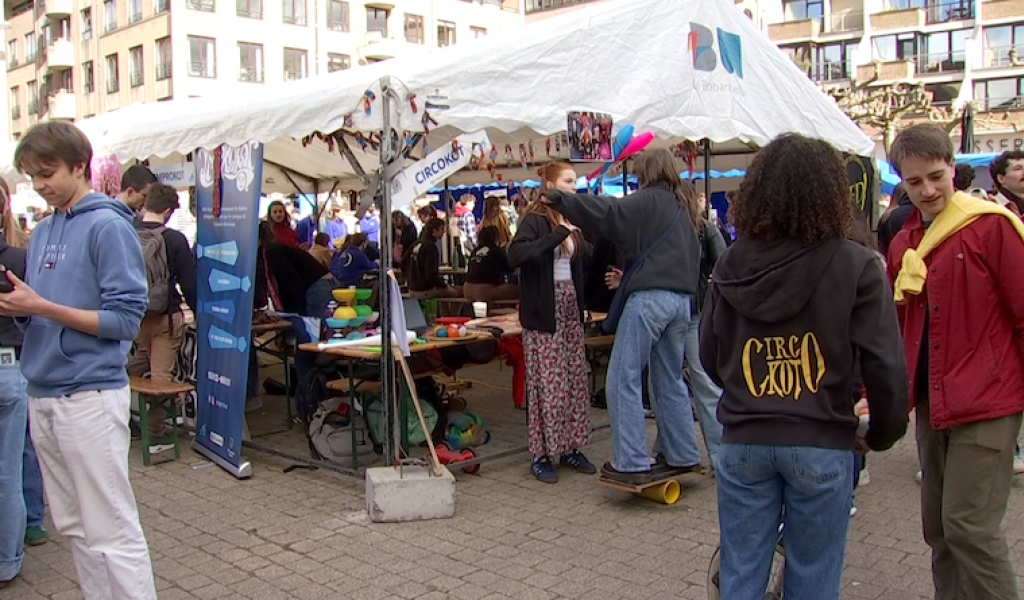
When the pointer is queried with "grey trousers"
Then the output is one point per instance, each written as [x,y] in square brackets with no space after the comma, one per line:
[967,472]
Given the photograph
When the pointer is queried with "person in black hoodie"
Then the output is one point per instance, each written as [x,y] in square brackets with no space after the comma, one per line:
[652,328]
[549,252]
[424,274]
[892,219]
[791,303]
[487,276]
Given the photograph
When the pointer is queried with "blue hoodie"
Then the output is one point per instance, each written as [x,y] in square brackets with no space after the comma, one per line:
[87,257]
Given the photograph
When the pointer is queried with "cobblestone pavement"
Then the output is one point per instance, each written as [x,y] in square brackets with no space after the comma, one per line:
[305,535]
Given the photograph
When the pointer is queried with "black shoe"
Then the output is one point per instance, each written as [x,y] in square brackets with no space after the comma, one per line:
[627,477]
[662,468]
[578,461]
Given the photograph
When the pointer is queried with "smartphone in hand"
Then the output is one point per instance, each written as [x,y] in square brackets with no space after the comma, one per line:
[6,286]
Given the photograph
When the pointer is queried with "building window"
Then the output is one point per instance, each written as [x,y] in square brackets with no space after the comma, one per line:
[478,32]
[377,20]
[203,5]
[47,38]
[202,61]
[889,48]
[1004,46]
[32,97]
[944,52]
[160,6]
[86,24]
[798,10]
[162,56]
[999,94]
[250,9]
[30,47]
[832,61]
[109,15]
[138,66]
[112,82]
[58,82]
[134,11]
[445,33]
[294,12]
[12,54]
[338,62]
[250,62]
[295,66]
[337,15]
[15,108]
[63,28]
[88,78]
[413,29]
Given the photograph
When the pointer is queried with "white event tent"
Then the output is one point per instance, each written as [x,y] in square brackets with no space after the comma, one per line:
[685,70]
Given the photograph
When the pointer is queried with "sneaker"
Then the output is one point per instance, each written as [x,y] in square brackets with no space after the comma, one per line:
[917,478]
[865,478]
[543,470]
[1018,464]
[630,477]
[576,460]
[35,535]
[662,467]
[853,511]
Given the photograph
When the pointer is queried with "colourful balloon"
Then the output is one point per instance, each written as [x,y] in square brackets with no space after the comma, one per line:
[635,145]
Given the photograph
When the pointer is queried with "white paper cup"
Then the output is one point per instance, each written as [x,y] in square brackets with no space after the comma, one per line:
[480,310]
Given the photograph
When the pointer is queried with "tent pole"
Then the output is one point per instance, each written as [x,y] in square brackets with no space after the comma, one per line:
[448,250]
[388,390]
[707,177]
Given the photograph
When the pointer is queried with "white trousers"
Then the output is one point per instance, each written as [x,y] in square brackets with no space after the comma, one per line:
[83,441]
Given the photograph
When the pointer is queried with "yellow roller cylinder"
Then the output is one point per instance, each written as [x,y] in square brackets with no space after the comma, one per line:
[666,493]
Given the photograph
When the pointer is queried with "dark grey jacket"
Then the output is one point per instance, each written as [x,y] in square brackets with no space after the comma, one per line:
[634,222]
[14,259]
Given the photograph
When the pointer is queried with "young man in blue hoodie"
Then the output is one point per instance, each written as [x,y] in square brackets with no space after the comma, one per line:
[80,306]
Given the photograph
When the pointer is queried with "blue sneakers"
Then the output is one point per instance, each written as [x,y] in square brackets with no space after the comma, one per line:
[576,460]
[543,470]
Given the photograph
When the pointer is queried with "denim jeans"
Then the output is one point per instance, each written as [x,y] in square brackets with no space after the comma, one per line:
[705,393]
[13,423]
[651,330]
[808,488]
[32,481]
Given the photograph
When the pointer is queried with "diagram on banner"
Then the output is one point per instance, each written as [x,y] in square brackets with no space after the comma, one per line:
[226,253]
[226,282]
[220,339]
[219,309]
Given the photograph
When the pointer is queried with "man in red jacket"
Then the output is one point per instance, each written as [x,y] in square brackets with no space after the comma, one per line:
[963,335]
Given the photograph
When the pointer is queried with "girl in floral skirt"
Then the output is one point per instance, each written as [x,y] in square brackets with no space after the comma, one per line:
[548,251]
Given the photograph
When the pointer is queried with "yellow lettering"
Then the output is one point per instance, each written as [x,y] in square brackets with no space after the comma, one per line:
[812,381]
[748,374]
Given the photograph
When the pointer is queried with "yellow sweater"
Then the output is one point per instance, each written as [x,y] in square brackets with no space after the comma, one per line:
[961,210]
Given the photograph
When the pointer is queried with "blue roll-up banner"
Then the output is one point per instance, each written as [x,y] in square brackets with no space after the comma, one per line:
[225,273]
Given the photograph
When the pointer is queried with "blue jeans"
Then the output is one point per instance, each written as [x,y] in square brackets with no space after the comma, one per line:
[811,490]
[13,423]
[651,331]
[705,393]
[32,481]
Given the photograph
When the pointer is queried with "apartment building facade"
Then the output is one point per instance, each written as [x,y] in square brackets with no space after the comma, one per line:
[72,59]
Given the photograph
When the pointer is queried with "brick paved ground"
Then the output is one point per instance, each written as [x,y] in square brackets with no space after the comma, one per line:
[305,535]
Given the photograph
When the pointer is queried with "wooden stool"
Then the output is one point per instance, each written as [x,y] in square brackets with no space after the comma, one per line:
[150,391]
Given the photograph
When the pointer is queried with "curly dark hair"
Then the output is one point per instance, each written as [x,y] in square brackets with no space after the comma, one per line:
[1002,162]
[963,176]
[796,188]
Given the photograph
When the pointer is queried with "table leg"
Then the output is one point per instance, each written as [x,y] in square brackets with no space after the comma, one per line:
[287,388]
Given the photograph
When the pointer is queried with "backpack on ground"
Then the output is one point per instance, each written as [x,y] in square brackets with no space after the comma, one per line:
[158,274]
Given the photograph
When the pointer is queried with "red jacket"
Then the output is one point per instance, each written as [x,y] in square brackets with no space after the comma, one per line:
[975,291]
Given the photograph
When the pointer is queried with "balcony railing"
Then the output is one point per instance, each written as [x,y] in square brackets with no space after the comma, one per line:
[135,17]
[1004,56]
[201,68]
[293,19]
[163,71]
[110,26]
[944,12]
[137,79]
[161,6]
[13,62]
[250,13]
[30,56]
[828,71]
[204,5]
[112,86]
[941,62]
[292,76]
[338,26]
[88,87]
[1002,103]
[538,5]
[250,74]
[16,112]
[33,107]
[847,21]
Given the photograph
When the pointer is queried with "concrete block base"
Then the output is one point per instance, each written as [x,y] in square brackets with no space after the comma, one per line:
[396,495]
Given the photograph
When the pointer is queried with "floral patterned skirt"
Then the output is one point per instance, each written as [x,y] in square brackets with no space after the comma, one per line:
[557,390]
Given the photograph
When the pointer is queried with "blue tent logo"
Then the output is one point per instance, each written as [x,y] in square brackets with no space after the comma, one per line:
[700,43]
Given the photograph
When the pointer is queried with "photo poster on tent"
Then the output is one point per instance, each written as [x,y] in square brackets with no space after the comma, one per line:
[228,197]
[590,136]
[860,172]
